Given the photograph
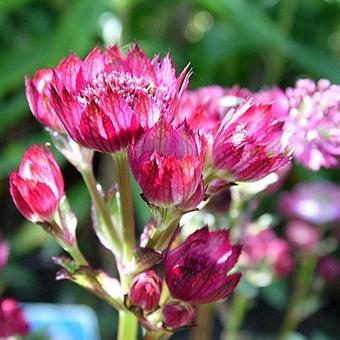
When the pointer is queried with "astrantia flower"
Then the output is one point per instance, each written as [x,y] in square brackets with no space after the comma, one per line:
[146,290]
[249,143]
[12,320]
[105,101]
[167,162]
[263,252]
[37,93]
[316,202]
[38,186]
[177,315]
[314,122]
[303,235]
[196,271]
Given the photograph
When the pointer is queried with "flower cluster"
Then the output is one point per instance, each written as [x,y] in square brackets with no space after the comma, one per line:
[183,147]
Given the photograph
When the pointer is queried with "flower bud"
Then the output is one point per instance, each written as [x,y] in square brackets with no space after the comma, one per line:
[196,271]
[38,186]
[146,290]
[12,320]
[302,235]
[167,163]
[249,143]
[37,93]
[178,315]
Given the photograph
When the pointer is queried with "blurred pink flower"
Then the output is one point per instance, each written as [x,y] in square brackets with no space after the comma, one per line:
[316,202]
[329,268]
[12,319]
[314,123]
[303,235]
[4,253]
[196,271]
[38,186]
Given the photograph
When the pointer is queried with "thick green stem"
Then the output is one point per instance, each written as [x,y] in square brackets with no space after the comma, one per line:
[102,209]
[236,316]
[304,279]
[77,255]
[276,58]
[127,326]
[126,205]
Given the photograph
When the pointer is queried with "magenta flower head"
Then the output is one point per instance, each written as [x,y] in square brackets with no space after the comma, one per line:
[249,143]
[12,319]
[196,271]
[303,235]
[105,101]
[38,186]
[37,93]
[4,253]
[314,122]
[315,202]
[167,163]
[177,315]
[146,290]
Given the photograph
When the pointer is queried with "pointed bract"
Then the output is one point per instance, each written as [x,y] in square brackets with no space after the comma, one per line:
[177,315]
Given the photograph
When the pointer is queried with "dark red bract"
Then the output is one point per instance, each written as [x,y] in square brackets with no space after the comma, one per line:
[196,271]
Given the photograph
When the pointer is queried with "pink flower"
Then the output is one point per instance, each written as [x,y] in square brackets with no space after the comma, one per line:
[329,268]
[249,143]
[38,186]
[167,163]
[12,320]
[315,202]
[146,290]
[177,315]
[202,108]
[264,248]
[107,100]
[4,253]
[302,235]
[196,271]
[37,93]
[314,123]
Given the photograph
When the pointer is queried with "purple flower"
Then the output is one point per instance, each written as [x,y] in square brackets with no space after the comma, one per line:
[329,268]
[314,123]
[177,315]
[315,202]
[196,271]
[146,290]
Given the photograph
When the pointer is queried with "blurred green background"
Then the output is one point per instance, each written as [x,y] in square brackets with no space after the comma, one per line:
[247,42]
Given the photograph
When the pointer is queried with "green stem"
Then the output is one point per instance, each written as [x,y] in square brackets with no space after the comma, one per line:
[102,209]
[205,322]
[304,278]
[77,255]
[126,205]
[276,58]
[236,316]
[127,326]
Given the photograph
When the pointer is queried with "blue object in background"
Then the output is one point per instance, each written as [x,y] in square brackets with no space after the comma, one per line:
[63,322]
